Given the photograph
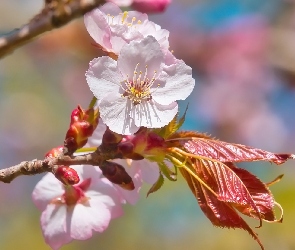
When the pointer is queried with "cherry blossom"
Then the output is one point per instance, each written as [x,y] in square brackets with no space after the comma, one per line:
[111,28]
[141,88]
[141,171]
[74,212]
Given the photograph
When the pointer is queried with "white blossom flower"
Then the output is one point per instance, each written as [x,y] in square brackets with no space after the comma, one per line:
[73,212]
[140,171]
[141,88]
[112,29]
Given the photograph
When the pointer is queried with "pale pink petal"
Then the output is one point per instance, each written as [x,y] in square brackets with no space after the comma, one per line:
[98,28]
[115,112]
[149,170]
[112,7]
[47,189]
[53,223]
[85,218]
[103,77]
[147,54]
[131,196]
[96,138]
[122,3]
[87,171]
[177,84]
[105,192]
[149,28]
[153,115]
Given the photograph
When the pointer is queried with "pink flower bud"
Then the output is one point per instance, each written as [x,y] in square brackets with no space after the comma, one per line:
[149,145]
[83,123]
[149,6]
[117,174]
[67,175]
[54,152]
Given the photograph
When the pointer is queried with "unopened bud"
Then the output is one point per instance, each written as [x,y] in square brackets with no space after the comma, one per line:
[67,175]
[127,150]
[150,6]
[150,145]
[83,123]
[54,152]
[117,174]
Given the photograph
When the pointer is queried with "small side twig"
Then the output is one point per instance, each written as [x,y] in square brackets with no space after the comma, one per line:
[47,165]
[55,14]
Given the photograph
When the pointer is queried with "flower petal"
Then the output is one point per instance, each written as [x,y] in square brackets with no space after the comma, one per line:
[106,193]
[85,218]
[149,170]
[103,77]
[53,223]
[131,196]
[177,83]
[47,189]
[114,111]
[112,7]
[96,138]
[146,52]
[98,28]
[153,115]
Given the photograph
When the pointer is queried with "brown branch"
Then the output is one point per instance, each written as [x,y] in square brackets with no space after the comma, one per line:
[55,14]
[47,165]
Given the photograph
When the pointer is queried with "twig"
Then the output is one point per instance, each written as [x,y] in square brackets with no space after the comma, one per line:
[47,165]
[55,14]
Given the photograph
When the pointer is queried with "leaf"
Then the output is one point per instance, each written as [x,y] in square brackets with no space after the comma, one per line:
[220,213]
[259,192]
[157,185]
[229,152]
[172,126]
[171,176]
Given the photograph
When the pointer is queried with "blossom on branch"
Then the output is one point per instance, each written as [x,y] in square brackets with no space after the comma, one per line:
[111,29]
[141,88]
[74,212]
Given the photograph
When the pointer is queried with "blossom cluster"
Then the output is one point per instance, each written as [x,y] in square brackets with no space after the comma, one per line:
[132,126]
[136,85]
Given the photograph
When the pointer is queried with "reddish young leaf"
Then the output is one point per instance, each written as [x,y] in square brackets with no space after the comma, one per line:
[220,214]
[228,152]
[259,192]
[222,189]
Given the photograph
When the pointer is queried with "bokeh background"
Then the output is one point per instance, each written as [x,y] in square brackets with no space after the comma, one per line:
[243,58]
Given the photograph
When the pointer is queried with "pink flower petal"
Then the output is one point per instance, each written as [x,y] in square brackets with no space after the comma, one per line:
[173,79]
[98,28]
[53,223]
[146,52]
[114,111]
[47,189]
[103,77]
[84,219]
[153,115]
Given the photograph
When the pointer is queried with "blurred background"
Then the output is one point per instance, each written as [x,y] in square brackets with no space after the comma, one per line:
[243,59]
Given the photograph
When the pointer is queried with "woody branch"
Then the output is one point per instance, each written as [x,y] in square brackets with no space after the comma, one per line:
[47,165]
[55,14]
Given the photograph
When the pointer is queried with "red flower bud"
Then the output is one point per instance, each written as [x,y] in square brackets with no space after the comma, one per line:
[67,175]
[150,6]
[149,145]
[54,152]
[117,174]
[83,123]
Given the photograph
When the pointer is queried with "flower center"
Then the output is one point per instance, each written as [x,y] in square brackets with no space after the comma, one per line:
[74,194]
[139,88]
[123,19]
